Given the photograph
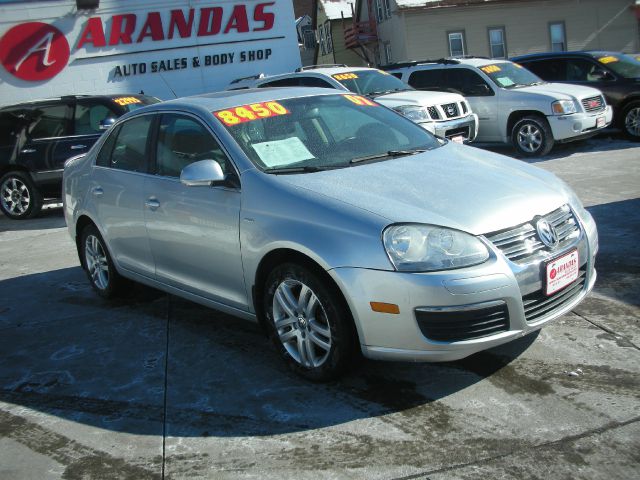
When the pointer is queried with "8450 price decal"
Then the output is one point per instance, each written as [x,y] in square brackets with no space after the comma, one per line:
[247,113]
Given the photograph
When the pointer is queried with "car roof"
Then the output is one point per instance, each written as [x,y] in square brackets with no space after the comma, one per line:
[73,97]
[233,98]
[446,62]
[332,70]
[581,53]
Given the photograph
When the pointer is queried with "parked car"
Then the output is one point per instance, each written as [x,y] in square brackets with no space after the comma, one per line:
[336,222]
[444,114]
[513,105]
[36,138]
[615,74]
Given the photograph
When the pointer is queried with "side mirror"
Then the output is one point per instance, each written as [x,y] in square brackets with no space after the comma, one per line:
[204,173]
[480,89]
[600,75]
[106,123]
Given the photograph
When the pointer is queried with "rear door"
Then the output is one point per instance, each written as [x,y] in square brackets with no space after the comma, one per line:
[193,231]
[87,116]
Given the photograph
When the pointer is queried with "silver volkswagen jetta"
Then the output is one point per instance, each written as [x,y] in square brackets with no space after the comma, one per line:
[336,222]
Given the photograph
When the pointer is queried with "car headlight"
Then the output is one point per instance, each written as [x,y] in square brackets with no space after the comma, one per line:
[423,248]
[413,113]
[563,107]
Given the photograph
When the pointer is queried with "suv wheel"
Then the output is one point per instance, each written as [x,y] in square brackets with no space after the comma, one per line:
[308,322]
[19,197]
[531,136]
[631,120]
[95,258]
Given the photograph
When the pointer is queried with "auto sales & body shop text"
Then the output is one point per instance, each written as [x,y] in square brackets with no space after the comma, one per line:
[146,39]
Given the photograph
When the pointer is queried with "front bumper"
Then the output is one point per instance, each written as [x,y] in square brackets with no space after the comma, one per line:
[496,284]
[467,127]
[578,125]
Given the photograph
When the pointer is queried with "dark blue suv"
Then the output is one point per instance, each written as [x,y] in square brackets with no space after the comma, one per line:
[615,74]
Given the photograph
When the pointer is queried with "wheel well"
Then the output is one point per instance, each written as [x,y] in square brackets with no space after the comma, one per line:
[284,255]
[13,168]
[82,222]
[520,114]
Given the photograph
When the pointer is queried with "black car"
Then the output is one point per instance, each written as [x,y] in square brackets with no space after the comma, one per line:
[617,75]
[36,138]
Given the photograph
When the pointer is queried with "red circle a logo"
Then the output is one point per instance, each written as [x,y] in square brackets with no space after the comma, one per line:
[34,51]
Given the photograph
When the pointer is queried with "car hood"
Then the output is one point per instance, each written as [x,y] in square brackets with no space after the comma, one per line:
[559,89]
[417,97]
[455,186]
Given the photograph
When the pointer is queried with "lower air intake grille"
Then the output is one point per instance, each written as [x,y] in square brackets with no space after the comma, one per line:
[459,325]
[537,304]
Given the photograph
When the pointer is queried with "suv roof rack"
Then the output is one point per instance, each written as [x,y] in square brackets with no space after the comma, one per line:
[249,77]
[325,65]
[411,63]
[463,57]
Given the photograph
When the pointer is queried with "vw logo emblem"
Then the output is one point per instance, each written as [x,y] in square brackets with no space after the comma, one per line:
[547,233]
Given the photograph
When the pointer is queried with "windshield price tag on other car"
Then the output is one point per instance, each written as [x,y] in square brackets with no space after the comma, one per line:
[345,76]
[247,113]
[358,100]
[561,272]
[490,69]
[122,101]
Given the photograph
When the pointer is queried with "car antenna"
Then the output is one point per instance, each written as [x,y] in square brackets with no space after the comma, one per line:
[168,86]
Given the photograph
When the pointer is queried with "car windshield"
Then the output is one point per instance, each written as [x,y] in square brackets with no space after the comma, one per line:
[131,103]
[627,66]
[510,75]
[321,132]
[371,82]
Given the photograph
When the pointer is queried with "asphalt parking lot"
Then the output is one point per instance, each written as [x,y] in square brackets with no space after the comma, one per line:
[152,386]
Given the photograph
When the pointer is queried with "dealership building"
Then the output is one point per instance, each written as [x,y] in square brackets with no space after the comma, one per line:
[164,48]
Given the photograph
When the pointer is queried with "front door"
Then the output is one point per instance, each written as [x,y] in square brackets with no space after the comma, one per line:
[193,231]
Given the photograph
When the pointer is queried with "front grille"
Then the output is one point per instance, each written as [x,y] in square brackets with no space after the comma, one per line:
[433,112]
[450,110]
[537,304]
[455,132]
[522,243]
[459,325]
[594,104]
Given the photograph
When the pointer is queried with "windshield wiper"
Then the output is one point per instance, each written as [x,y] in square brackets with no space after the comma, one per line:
[305,169]
[388,153]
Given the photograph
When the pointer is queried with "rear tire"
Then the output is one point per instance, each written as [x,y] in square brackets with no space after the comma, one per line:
[531,136]
[19,197]
[97,263]
[308,322]
[630,123]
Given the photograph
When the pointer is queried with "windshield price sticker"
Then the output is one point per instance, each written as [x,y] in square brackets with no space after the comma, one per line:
[608,59]
[358,100]
[491,69]
[562,272]
[345,76]
[247,113]
[122,101]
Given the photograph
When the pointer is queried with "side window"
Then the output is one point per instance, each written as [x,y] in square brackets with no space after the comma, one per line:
[551,70]
[284,82]
[467,82]
[103,159]
[130,148]
[8,128]
[582,70]
[314,82]
[88,115]
[427,80]
[48,121]
[183,140]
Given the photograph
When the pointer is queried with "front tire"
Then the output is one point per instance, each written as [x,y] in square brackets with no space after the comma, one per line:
[631,121]
[531,136]
[308,321]
[98,265]
[19,197]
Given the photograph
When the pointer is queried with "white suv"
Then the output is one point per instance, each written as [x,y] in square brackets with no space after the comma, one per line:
[513,104]
[442,113]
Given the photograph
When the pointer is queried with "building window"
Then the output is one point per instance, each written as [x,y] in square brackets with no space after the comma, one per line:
[558,38]
[497,43]
[328,37]
[387,52]
[321,40]
[387,8]
[379,11]
[456,44]
[309,39]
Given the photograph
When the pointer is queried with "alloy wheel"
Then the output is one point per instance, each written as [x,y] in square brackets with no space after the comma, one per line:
[632,122]
[301,323]
[97,264]
[15,196]
[529,138]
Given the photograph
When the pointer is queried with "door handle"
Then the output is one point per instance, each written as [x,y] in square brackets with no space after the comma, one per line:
[97,191]
[78,147]
[152,203]
[27,150]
